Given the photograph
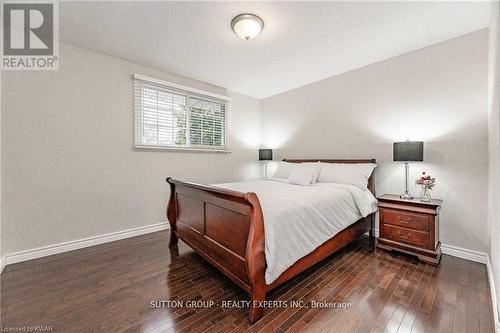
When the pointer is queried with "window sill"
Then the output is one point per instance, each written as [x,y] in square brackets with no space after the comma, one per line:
[184,149]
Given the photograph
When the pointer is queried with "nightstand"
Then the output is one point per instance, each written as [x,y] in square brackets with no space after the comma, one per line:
[410,226]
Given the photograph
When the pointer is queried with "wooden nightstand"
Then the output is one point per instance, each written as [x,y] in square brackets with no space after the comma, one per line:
[410,226]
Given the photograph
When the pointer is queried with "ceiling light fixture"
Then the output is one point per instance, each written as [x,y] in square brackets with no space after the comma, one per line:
[247,26]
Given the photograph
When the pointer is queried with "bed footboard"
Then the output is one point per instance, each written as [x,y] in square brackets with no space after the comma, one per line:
[226,228]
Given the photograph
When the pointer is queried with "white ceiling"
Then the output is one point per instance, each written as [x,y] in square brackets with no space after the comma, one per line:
[302,42]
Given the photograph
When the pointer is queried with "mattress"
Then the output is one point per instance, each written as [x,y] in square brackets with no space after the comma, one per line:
[298,219]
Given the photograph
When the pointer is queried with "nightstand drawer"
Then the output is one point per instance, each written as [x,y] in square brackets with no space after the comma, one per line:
[397,234]
[405,220]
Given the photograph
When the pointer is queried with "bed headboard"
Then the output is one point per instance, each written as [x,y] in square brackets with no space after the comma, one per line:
[371,180]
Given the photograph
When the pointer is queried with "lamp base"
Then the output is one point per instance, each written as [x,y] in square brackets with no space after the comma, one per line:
[406,196]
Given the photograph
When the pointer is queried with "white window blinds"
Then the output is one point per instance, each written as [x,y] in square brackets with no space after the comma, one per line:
[167,116]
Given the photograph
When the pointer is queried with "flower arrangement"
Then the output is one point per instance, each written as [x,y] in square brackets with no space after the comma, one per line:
[427,182]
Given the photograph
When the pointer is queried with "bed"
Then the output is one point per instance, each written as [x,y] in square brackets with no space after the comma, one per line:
[224,223]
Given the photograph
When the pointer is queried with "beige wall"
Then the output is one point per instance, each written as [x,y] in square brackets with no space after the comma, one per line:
[437,94]
[494,146]
[69,170]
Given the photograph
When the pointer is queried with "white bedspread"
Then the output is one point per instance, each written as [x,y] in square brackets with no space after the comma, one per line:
[298,219]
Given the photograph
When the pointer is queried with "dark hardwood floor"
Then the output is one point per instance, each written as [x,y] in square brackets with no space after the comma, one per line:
[110,287]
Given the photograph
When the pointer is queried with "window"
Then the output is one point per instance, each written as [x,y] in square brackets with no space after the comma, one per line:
[171,116]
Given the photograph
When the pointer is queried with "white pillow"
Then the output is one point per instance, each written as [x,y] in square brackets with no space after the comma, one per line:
[343,173]
[285,169]
[302,176]
[316,166]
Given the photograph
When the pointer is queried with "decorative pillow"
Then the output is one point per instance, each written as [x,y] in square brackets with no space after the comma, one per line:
[351,174]
[316,166]
[302,176]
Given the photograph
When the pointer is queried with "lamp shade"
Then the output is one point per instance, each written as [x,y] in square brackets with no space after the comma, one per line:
[408,151]
[265,154]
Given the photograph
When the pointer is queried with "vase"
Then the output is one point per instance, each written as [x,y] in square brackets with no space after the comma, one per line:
[425,196]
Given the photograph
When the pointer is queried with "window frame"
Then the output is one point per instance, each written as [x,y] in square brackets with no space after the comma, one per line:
[189,92]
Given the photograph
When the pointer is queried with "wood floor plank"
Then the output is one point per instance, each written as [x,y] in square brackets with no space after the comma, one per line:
[345,293]
[110,287]
[313,293]
[328,275]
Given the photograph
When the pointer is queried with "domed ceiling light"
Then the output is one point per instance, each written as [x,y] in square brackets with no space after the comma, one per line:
[247,26]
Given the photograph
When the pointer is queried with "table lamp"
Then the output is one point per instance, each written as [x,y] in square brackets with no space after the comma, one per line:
[408,151]
[265,155]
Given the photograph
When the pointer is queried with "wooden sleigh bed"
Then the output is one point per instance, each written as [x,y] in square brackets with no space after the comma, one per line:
[227,229]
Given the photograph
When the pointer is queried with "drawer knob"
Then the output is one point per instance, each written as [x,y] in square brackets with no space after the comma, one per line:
[407,236]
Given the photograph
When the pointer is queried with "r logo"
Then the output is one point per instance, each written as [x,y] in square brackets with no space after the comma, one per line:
[28,29]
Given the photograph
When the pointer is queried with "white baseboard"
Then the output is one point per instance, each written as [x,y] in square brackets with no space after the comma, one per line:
[44,251]
[2,264]
[460,252]
[494,301]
